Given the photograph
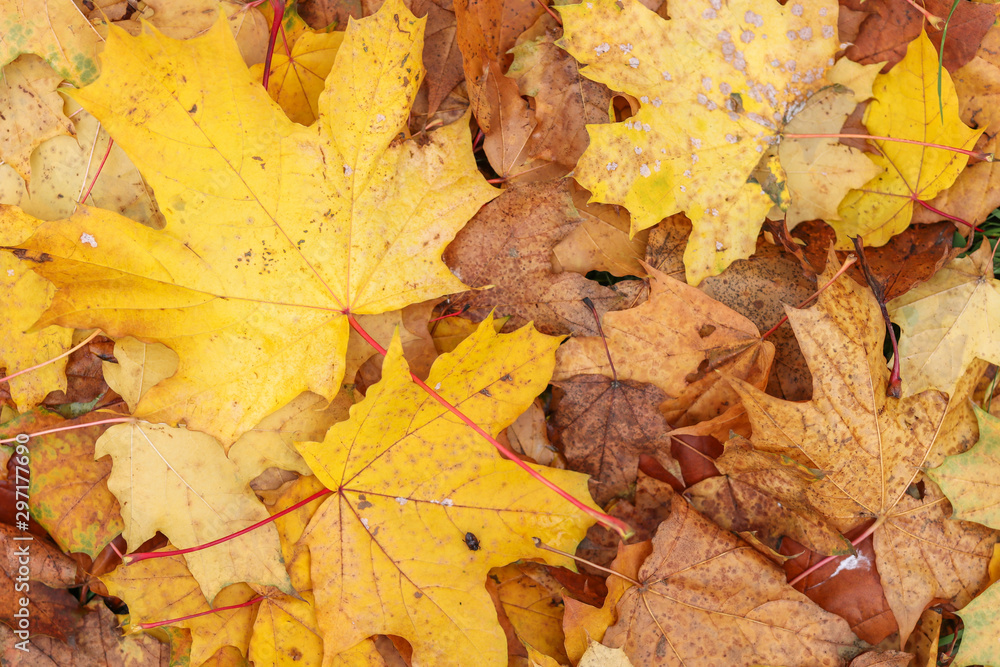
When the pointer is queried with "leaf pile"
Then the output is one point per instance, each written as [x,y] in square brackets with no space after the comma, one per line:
[362,366]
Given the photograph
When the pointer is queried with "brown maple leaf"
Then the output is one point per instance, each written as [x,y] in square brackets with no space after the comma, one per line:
[870,448]
[605,424]
[508,245]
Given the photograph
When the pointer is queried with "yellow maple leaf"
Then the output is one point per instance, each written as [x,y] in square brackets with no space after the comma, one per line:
[715,82]
[163,588]
[180,483]
[947,323]
[906,106]
[296,79]
[274,231]
[411,482]
[821,171]
[26,296]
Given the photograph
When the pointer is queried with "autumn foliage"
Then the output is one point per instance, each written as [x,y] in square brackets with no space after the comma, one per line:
[621,332]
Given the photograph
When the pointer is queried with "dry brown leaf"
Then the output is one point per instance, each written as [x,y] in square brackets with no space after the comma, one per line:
[907,260]
[665,247]
[887,26]
[694,592]
[487,29]
[565,101]
[760,492]
[97,641]
[442,57]
[604,425]
[978,85]
[650,506]
[758,288]
[870,447]
[583,622]
[508,244]
[677,341]
[601,241]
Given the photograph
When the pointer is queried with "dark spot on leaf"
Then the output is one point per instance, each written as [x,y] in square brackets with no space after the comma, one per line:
[363,504]
[418,595]
[27,256]
[699,374]
[706,330]
[486,393]
[194,107]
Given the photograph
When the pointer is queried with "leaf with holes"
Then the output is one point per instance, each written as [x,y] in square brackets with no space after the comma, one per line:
[273,231]
[411,482]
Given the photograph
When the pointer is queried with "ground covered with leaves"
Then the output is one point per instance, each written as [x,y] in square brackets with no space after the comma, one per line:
[437,332]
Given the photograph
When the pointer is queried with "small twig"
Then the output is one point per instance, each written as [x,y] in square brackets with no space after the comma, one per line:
[545,547]
[894,389]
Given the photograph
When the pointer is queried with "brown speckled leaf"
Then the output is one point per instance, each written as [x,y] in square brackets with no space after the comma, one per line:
[759,287]
[923,555]
[871,447]
[760,492]
[97,641]
[643,513]
[565,101]
[509,245]
[696,608]
[907,260]
[605,425]
[677,340]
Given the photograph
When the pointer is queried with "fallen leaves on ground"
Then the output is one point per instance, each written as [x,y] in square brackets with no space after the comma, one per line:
[180,482]
[946,323]
[604,424]
[870,449]
[694,588]
[505,251]
[677,340]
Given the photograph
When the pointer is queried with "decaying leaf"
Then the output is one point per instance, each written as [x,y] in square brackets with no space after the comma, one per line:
[762,493]
[604,425]
[694,588]
[505,251]
[870,449]
[677,341]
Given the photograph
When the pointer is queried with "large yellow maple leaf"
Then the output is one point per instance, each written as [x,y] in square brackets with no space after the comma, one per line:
[907,106]
[391,551]
[716,82]
[274,231]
